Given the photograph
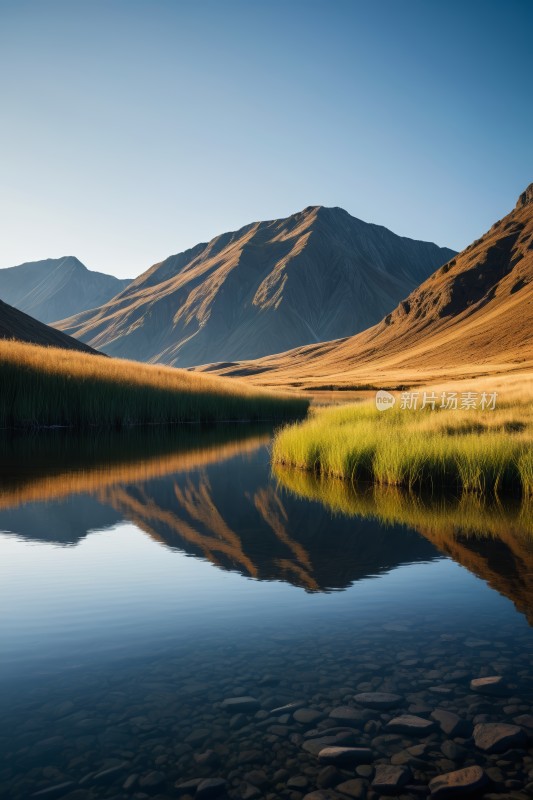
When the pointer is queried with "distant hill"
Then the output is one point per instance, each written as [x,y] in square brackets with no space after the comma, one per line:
[56,287]
[315,275]
[473,316]
[15,324]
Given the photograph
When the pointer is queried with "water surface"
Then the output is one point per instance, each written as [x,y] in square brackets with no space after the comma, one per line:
[147,578]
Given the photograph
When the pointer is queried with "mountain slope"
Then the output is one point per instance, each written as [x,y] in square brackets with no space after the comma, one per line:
[56,287]
[473,316]
[15,324]
[272,285]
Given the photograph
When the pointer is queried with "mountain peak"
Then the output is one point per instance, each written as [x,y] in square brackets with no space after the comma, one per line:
[526,197]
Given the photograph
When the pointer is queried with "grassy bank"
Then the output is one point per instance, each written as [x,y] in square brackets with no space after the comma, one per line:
[42,386]
[463,450]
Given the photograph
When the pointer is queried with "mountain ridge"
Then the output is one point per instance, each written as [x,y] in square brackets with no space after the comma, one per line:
[472,315]
[56,287]
[314,275]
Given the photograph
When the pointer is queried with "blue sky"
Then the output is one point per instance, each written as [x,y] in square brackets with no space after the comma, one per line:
[133,129]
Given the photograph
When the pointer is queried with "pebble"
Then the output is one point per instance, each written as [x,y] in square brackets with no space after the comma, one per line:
[355,787]
[410,725]
[345,755]
[346,715]
[493,685]
[241,705]
[379,700]
[307,716]
[458,783]
[496,737]
[450,723]
[211,787]
[389,779]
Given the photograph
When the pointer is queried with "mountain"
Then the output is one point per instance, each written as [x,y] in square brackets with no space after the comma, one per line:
[473,316]
[270,286]
[14,324]
[56,287]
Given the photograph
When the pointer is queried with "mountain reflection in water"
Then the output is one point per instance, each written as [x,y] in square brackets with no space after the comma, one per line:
[209,493]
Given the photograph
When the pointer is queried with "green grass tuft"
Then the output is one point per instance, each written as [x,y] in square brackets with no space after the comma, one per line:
[471,451]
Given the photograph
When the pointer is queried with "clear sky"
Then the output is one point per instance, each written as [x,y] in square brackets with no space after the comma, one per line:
[133,129]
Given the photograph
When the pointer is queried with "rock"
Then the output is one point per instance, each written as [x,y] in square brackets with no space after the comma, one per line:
[525,720]
[307,716]
[410,725]
[365,771]
[379,700]
[389,779]
[494,685]
[328,777]
[298,782]
[356,787]
[314,746]
[453,751]
[346,715]
[321,794]
[238,721]
[130,782]
[54,791]
[187,787]
[257,777]
[458,784]
[210,787]
[109,775]
[496,737]
[152,780]
[451,724]
[209,758]
[248,791]
[241,705]
[345,755]
[286,709]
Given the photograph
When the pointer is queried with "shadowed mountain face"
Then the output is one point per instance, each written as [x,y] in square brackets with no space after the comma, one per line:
[14,324]
[56,287]
[272,285]
[474,315]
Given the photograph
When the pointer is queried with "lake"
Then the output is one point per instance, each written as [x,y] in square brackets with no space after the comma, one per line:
[180,621]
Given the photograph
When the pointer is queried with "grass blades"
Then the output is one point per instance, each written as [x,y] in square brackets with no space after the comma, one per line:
[41,386]
[468,450]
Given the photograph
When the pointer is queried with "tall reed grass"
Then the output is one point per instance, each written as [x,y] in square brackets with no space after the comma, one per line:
[469,450]
[41,386]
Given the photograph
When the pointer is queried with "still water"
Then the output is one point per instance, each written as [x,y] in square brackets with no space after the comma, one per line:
[165,595]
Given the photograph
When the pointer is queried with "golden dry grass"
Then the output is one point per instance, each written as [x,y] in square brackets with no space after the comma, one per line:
[41,386]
